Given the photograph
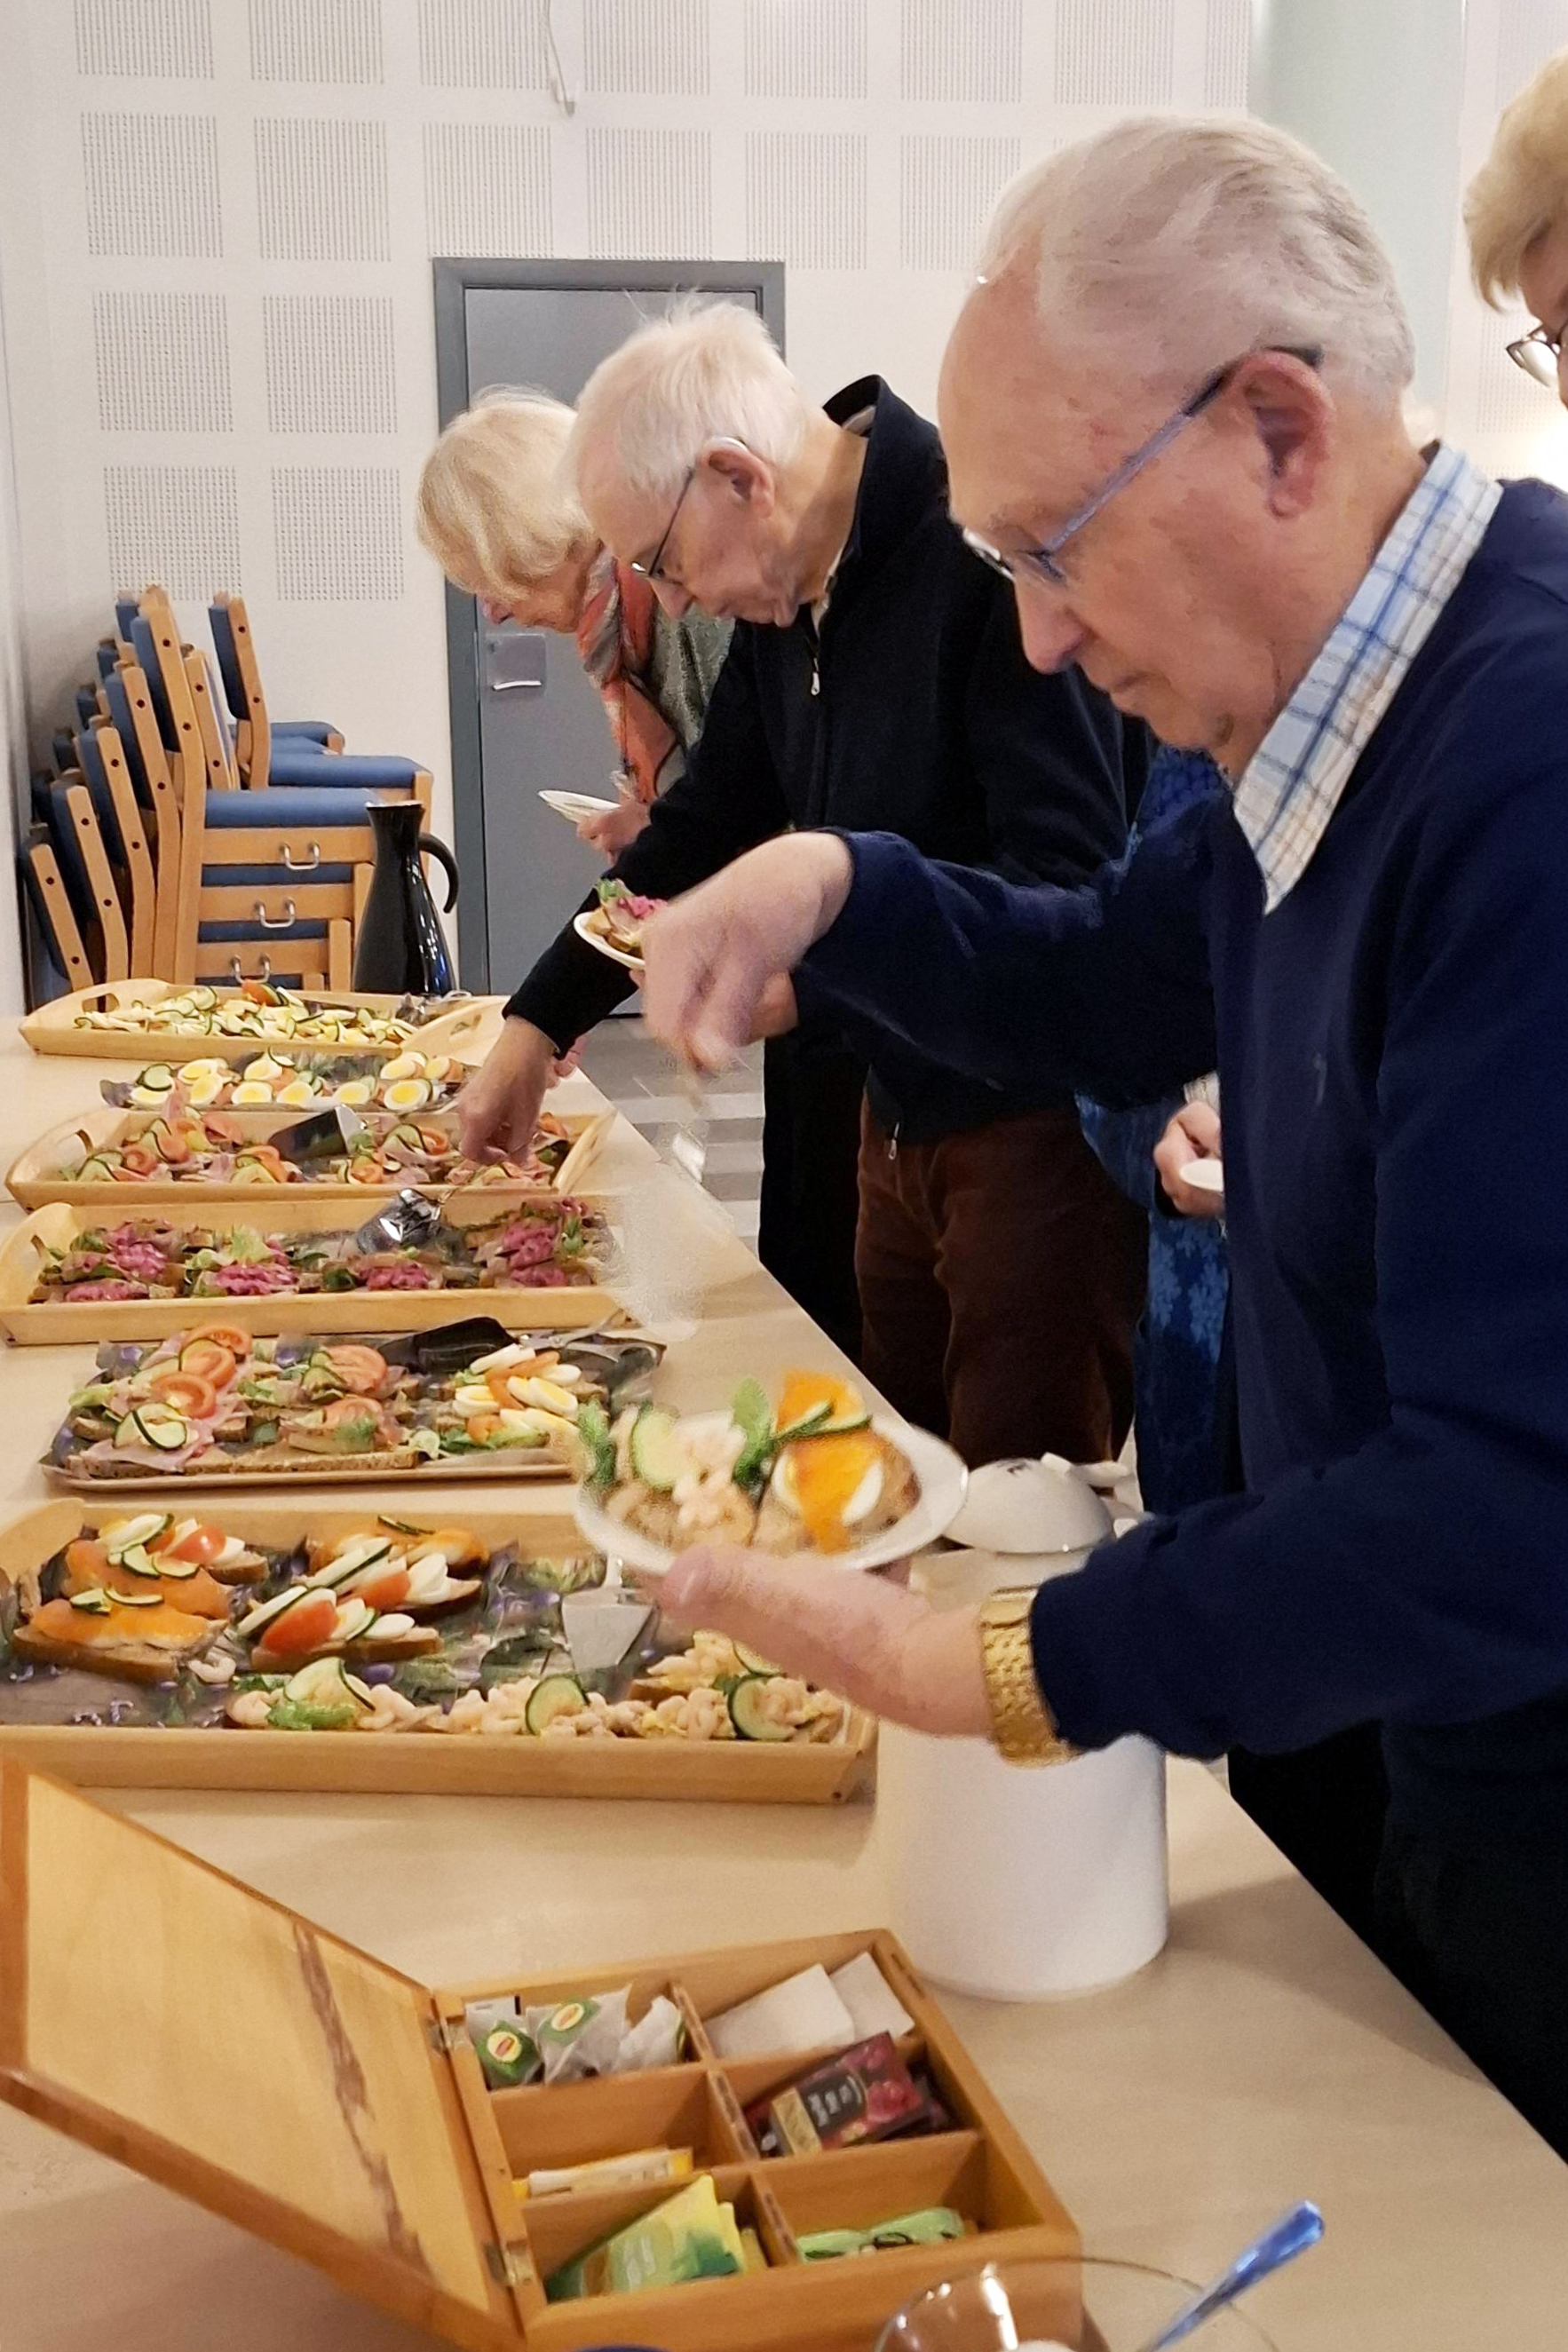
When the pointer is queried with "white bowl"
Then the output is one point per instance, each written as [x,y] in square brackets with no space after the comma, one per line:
[941,1475]
[1032,1506]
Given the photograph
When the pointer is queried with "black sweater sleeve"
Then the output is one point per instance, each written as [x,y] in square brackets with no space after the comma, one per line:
[726,802]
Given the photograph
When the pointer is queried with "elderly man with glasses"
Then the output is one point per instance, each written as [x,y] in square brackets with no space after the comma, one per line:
[1365,937]
[875,680]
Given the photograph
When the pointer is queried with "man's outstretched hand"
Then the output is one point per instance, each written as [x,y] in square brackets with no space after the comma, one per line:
[718,960]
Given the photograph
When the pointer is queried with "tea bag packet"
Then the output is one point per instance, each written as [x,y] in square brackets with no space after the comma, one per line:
[656,2039]
[929,2227]
[508,2057]
[873,2007]
[805,2012]
[690,2236]
[580,2037]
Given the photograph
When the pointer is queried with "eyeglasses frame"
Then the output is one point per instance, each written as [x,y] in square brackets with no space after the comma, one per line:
[1539,339]
[1042,560]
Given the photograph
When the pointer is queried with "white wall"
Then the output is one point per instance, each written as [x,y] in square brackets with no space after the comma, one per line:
[13,700]
[217,218]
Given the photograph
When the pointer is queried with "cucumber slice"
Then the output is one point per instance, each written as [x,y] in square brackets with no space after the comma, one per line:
[656,1453]
[158,1076]
[355,1619]
[177,1569]
[752,1662]
[130,1533]
[349,1563]
[137,1599]
[266,1612]
[138,1561]
[400,1527]
[810,1424]
[326,1682]
[842,1424]
[94,1602]
[204,998]
[556,1695]
[745,1714]
[156,1425]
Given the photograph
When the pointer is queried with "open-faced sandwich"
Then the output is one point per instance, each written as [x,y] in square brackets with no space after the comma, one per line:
[409,1081]
[258,1009]
[222,1403]
[807,1474]
[178,1143]
[541,1245]
[619,916]
[140,1599]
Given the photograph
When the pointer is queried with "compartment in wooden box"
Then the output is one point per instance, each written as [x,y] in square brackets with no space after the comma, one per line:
[859,2188]
[544,2127]
[560,2228]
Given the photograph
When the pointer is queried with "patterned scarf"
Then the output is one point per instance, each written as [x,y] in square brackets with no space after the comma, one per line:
[615,640]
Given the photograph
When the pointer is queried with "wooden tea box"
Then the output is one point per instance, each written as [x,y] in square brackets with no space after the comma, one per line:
[327,2103]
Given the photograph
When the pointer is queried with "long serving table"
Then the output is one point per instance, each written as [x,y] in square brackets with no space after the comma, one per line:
[1265,2056]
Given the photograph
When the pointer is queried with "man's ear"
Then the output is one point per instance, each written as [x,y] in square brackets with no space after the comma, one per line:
[744,475]
[1290,411]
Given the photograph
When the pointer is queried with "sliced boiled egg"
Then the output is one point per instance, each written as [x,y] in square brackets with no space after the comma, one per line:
[428,1577]
[200,1092]
[357,1090]
[266,1065]
[298,1090]
[546,1395]
[502,1359]
[470,1399]
[830,1483]
[403,1065]
[395,1621]
[149,1098]
[406,1094]
[190,1072]
[252,1090]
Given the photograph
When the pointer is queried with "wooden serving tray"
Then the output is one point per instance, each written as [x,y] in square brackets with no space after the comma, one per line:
[34,1178]
[406,1763]
[52,1028]
[349,2121]
[84,1322]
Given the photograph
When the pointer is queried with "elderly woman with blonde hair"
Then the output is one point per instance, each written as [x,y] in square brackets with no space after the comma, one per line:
[1516,211]
[497,514]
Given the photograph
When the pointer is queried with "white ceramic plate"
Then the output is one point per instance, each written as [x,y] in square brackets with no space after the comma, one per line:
[605,947]
[1204,1176]
[942,1479]
[575,806]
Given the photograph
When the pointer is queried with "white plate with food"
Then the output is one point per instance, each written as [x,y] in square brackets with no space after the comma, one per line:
[615,925]
[811,1471]
[583,927]
[575,806]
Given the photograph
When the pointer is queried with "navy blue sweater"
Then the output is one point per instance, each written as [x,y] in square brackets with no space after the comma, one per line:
[917,712]
[1389,1042]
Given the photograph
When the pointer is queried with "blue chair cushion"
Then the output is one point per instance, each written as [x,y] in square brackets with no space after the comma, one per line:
[270,877]
[293,806]
[307,763]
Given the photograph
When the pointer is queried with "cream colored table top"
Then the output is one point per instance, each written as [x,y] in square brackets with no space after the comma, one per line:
[1263,2057]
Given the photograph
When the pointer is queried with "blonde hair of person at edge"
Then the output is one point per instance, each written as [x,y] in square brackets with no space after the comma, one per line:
[498,513]
[1516,212]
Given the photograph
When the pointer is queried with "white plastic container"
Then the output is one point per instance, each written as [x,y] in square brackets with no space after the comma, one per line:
[1018,1882]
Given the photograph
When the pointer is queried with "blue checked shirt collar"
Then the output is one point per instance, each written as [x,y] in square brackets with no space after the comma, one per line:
[1294,781]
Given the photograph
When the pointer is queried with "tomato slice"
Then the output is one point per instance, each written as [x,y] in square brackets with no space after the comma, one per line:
[385,1588]
[361,1369]
[221,1335]
[203,1545]
[301,1629]
[187,1392]
[207,1361]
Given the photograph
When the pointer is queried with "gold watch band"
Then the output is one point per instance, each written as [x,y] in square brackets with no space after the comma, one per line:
[1021,1725]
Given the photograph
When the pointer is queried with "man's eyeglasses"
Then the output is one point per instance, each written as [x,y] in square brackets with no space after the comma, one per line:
[650,571]
[1538,354]
[1042,560]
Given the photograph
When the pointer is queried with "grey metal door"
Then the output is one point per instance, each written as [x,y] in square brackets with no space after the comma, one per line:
[524,717]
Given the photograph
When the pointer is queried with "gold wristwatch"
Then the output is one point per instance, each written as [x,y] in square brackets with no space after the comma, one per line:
[1021,1725]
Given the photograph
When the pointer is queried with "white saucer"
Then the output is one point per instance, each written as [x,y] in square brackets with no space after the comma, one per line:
[575,806]
[943,1480]
[605,947]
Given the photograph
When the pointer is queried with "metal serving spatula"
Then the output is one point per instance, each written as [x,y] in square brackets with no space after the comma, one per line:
[689,1144]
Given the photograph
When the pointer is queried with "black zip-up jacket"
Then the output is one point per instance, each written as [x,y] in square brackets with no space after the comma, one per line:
[916,713]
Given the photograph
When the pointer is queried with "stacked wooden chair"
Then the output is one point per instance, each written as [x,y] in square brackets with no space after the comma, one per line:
[179,839]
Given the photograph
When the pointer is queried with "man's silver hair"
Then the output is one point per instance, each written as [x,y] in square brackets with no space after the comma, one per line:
[709,370]
[1180,245]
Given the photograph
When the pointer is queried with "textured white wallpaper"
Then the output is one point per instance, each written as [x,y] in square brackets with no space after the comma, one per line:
[219,214]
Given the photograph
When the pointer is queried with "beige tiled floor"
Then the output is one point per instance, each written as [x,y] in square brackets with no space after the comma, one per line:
[639,1079]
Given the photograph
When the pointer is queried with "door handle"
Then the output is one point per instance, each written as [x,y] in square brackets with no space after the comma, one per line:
[514,661]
